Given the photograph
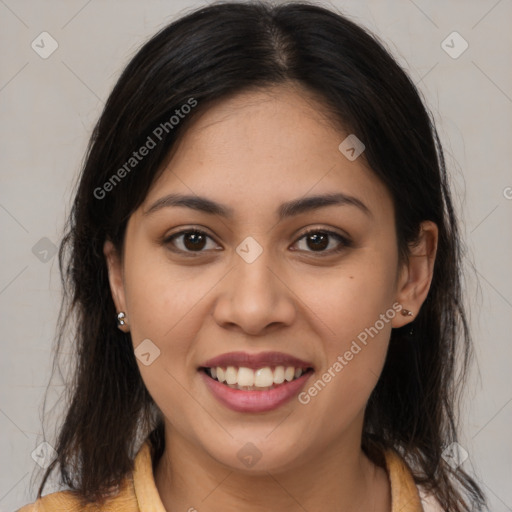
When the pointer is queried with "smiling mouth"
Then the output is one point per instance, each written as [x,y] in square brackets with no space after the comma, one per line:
[260,379]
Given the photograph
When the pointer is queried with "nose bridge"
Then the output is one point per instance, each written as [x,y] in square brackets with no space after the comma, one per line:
[254,287]
[252,272]
[255,278]
[254,297]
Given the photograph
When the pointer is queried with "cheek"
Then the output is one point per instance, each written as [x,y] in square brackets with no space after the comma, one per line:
[161,295]
[349,299]
[170,311]
[168,305]
[354,358]
[354,310]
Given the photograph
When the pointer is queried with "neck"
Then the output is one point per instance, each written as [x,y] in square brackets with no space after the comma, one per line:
[338,479]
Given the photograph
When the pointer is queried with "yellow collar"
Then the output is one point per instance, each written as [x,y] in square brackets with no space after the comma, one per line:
[404,493]
[138,493]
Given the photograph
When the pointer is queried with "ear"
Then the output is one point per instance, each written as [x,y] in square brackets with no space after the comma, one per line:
[416,275]
[115,277]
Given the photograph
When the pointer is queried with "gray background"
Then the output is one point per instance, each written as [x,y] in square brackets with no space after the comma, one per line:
[48,108]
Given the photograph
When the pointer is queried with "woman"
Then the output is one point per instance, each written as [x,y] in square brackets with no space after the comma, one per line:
[263,263]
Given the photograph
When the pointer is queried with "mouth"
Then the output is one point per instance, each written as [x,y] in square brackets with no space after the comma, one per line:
[248,390]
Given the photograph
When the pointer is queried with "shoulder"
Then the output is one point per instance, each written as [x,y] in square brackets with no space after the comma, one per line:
[405,493]
[59,502]
[69,501]
[137,488]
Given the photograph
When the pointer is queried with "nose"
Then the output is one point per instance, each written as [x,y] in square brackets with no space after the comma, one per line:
[254,298]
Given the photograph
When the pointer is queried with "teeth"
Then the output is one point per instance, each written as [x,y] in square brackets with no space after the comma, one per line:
[263,377]
[249,379]
[231,375]
[245,377]
[279,375]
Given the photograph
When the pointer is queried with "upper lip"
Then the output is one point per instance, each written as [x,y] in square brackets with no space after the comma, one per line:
[255,361]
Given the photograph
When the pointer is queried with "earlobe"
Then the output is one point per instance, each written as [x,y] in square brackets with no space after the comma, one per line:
[416,276]
[115,277]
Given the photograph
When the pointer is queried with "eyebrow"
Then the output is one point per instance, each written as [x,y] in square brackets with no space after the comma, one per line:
[288,209]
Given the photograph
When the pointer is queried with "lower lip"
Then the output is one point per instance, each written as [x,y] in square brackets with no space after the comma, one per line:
[255,401]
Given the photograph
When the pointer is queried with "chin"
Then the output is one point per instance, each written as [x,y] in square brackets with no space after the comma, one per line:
[257,455]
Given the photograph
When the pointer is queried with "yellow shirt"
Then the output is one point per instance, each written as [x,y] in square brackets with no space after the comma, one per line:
[138,493]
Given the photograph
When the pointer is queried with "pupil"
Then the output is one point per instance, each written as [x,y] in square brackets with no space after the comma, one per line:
[194,241]
[319,241]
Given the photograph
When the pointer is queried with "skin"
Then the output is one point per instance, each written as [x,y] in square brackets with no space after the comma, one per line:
[251,153]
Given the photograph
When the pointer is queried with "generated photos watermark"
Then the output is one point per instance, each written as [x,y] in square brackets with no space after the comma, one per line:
[156,136]
[343,359]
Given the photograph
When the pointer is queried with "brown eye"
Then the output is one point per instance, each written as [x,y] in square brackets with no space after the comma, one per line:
[190,241]
[320,240]
[194,241]
[317,241]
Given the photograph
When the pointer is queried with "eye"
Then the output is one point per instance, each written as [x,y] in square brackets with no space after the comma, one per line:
[190,240]
[318,240]
[322,241]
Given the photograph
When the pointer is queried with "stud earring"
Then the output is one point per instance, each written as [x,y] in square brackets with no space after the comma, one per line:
[406,312]
[120,319]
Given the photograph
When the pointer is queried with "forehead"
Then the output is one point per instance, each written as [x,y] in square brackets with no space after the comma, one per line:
[266,146]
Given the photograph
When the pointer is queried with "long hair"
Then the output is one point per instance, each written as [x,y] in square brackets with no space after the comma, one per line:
[206,56]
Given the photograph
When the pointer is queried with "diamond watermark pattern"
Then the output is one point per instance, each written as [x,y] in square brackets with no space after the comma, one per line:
[44,454]
[146,352]
[44,250]
[249,455]
[44,45]
[454,45]
[351,147]
[454,455]
[249,250]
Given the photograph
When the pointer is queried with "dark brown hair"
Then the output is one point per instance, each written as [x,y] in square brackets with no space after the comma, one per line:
[209,55]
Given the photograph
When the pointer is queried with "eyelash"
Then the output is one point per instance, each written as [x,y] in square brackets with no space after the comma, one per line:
[344,241]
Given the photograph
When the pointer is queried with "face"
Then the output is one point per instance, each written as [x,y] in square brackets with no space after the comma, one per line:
[271,267]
